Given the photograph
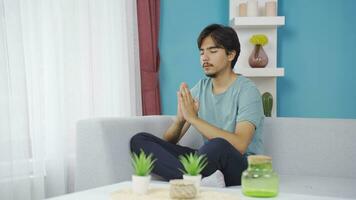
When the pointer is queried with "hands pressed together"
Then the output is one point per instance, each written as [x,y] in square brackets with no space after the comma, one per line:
[187,107]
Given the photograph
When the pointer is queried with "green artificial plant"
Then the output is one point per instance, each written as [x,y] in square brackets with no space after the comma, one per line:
[142,163]
[267,101]
[193,163]
[259,39]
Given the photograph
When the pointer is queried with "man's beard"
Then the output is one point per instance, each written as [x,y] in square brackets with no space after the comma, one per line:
[213,75]
[210,75]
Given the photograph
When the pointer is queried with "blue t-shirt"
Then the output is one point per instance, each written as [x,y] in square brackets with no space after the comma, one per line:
[240,102]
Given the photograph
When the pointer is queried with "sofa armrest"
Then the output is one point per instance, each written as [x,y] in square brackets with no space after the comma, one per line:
[102,148]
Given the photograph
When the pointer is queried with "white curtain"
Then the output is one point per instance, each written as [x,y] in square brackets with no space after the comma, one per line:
[60,61]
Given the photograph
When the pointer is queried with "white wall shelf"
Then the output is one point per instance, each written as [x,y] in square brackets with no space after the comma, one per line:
[260,72]
[257,22]
[246,26]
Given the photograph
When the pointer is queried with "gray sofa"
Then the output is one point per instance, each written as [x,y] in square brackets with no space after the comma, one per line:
[312,156]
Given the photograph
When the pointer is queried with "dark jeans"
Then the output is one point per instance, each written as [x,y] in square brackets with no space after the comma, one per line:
[220,153]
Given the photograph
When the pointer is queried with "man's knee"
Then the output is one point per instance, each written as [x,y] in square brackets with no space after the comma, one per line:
[138,138]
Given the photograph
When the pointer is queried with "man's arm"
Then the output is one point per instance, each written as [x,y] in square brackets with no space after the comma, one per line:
[180,126]
[176,131]
[240,139]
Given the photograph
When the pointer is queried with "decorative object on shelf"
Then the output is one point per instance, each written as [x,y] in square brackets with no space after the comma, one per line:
[193,165]
[258,57]
[259,179]
[243,9]
[270,8]
[264,78]
[143,165]
[252,8]
[182,189]
[267,101]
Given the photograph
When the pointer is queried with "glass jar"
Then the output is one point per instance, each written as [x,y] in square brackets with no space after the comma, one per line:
[259,179]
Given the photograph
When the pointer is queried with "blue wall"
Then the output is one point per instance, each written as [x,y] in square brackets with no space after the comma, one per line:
[181,23]
[317,48]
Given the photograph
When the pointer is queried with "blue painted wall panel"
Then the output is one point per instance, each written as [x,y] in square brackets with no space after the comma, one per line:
[181,23]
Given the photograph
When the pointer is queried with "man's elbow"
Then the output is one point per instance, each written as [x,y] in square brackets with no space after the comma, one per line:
[167,138]
[242,151]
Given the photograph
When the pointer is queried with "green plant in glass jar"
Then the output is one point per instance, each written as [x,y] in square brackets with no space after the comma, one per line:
[259,179]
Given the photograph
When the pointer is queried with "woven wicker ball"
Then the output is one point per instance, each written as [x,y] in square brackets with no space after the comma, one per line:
[182,189]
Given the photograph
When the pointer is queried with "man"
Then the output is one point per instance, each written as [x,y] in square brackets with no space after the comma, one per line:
[225,108]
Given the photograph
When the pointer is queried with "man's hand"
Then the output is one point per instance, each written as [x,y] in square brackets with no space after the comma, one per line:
[186,104]
[180,126]
[180,117]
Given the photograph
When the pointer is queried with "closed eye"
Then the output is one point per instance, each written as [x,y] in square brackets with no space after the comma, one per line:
[213,49]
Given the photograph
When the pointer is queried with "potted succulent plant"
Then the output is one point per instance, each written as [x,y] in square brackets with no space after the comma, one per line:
[258,57]
[143,165]
[193,165]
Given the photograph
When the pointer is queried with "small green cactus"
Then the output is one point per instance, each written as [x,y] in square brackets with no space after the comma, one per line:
[267,101]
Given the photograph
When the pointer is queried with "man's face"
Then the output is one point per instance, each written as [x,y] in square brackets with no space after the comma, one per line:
[213,59]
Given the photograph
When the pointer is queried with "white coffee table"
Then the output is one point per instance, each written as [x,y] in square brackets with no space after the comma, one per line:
[103,193]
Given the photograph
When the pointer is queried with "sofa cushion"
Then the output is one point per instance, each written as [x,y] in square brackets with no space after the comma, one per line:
[311,147]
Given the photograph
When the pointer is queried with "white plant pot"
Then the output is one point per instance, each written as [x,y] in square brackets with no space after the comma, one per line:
[140,184]
[195,179]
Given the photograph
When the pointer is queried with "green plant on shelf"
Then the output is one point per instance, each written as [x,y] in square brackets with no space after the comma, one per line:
[267,101]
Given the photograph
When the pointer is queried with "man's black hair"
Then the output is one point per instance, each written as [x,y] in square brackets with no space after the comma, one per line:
[224,37]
